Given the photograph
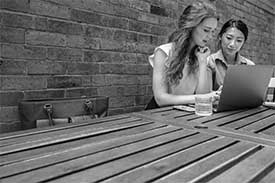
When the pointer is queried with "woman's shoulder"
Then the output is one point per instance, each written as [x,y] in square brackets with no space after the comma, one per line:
[166,48]
[212,57]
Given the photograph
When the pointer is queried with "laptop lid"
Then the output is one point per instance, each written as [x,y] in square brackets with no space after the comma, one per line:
[244,87]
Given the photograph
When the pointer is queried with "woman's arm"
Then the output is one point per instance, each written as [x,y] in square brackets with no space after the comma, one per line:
[204,81]
[160,85]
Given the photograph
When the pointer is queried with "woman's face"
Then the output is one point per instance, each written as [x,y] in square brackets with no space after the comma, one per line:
[204,31]
[232,41]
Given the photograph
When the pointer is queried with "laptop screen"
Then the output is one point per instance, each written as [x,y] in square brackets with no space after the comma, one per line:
[244,87]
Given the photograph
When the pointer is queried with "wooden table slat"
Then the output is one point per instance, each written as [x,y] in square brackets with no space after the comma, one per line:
[79,151]
[267,177]
[212,164]
[33,131]
[250,120]
[214,116]
[259,125]
[66,137]
[269,131]
[234,117]
[167,165]
[243,171]
[73,129]
[42,151]
[160,145]
[176,140]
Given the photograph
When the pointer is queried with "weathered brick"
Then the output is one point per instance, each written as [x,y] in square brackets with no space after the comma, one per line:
[64,54]
[95,31]
[133,109]
[140,26]
[134,90]
[158,30]
[143,6]
[140,100]
[113,79]
[38,94]
[111,91]
[115,111]
[122,35]
[11,67]
[142,58]
[10,126]
[112,45]
[119,34]
[18,5]
[145,48]
[76,41]
[106,68]
[139,5]
[125,12]
[10,98]
[64,27]
[126,58]
[9,114]
[45,38]
[22,51]
[110,21]
[98,56]
[144,79]
[121,101]
[40,23]
[148,18]
[97,80]
[78,92]
[23,82]
[83,68]
[49,9]
[150,39]
[70,3]
[136,69]
[158,10]
[168,22]
[11,35]
[86,17]
[16,20]
[64,82]
[46,67]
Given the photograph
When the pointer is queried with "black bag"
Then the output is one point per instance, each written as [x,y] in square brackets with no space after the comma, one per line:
[152,104]
[61,108]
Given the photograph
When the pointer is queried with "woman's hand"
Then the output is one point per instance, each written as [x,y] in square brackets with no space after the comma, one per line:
[202,53]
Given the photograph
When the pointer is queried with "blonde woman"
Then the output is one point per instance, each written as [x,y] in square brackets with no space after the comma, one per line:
[180,69]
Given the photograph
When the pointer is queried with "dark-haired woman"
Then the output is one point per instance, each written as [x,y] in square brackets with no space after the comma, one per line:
[232,37]
[180,69]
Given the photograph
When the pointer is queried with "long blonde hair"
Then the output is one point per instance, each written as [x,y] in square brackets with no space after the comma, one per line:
[191,17]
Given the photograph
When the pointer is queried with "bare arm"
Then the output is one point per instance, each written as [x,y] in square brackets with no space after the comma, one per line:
[160,85]
[204,82]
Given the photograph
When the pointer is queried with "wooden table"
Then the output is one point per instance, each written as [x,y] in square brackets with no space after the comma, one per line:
[161,145]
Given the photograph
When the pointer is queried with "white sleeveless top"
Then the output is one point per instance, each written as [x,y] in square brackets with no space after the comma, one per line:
[188,83]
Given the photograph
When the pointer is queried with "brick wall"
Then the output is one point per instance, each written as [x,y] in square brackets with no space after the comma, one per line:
[64,48]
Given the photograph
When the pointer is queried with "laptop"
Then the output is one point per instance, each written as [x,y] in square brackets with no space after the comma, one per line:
[244,87]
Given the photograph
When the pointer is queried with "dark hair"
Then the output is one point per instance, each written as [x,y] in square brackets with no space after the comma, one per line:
[240,25]
[191,17]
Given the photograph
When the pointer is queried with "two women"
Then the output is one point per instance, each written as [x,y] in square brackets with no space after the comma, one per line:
[183,68]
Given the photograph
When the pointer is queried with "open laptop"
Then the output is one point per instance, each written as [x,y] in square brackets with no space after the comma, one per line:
[244,87]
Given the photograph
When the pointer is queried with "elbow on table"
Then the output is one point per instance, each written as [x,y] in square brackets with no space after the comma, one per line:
[160,100]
